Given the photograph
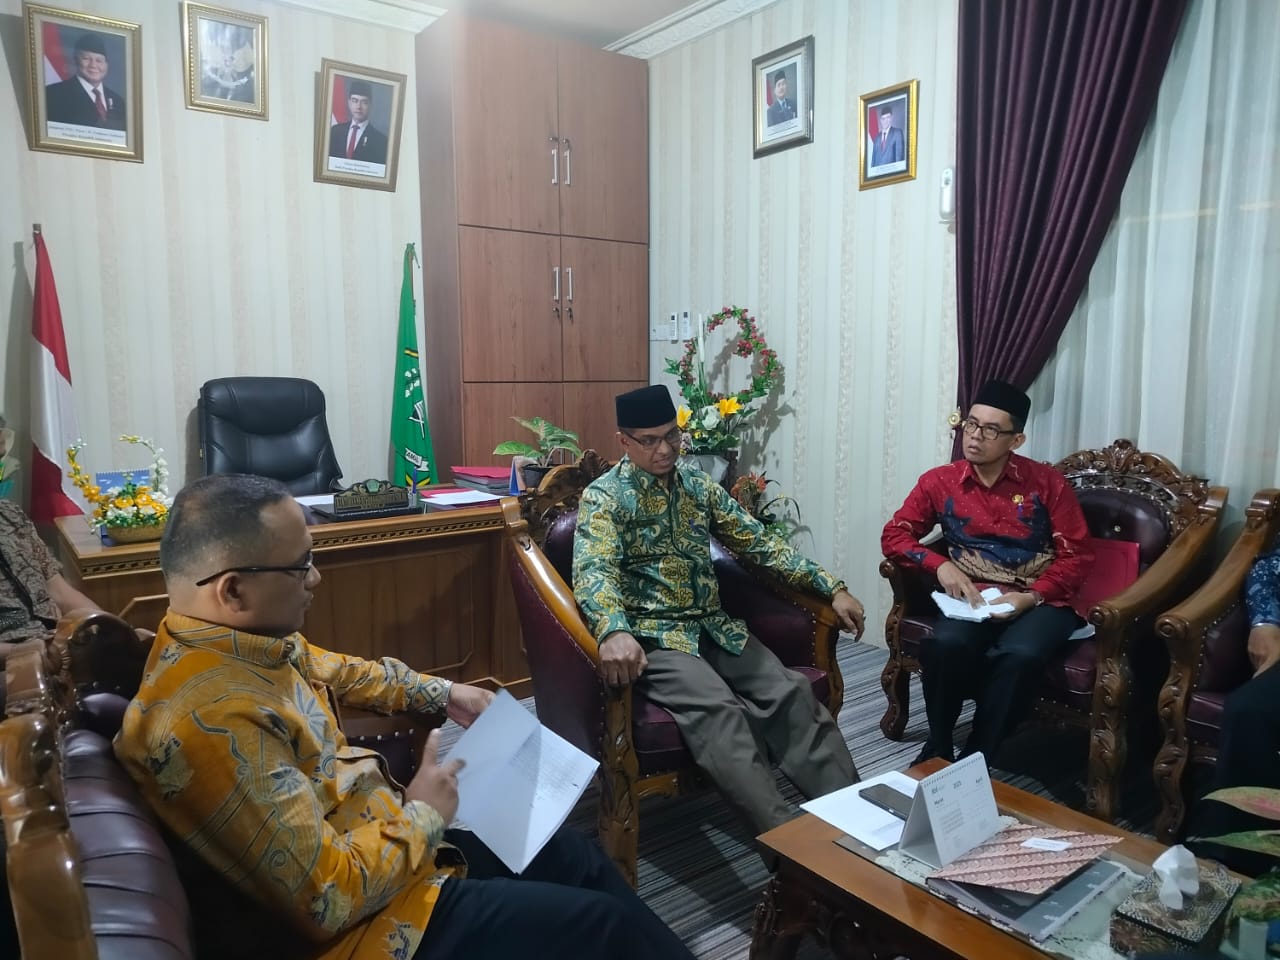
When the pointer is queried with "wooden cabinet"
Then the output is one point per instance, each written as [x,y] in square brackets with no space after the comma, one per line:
[534,173]
[604,118]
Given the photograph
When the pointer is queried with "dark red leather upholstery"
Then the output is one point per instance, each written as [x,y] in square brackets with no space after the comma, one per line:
[137,906]
[556,662]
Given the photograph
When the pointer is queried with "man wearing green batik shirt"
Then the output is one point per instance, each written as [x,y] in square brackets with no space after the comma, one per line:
[643,577]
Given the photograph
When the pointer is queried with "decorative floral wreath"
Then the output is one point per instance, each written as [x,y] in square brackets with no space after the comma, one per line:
[766,369]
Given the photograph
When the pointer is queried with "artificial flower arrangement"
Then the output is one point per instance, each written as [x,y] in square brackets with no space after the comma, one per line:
[780,514]
[131,506]
[711,420]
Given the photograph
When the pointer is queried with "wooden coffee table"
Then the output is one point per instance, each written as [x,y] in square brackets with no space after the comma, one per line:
[858,909]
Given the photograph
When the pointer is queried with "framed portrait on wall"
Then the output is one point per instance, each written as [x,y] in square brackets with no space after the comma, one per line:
[782,97]
[224,60]
[84,83]
[358,125]
[887,141]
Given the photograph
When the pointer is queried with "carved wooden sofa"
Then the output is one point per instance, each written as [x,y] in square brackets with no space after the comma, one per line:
[1127,495]
[90,872]
[1207,637]
[640,750]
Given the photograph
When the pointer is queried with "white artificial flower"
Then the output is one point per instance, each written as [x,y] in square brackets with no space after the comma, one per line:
[710,418]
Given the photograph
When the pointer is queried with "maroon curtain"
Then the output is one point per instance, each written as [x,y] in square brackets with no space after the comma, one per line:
[1053,97]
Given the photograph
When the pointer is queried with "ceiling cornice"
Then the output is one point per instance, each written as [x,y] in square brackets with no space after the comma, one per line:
[409,15]
[683,26]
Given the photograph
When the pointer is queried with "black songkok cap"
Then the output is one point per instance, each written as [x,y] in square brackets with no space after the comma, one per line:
[1006,397]
[647,407]
[359,88]
[91,43]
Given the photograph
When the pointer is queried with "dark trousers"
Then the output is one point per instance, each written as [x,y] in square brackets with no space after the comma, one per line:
[736,712]
[571,903]
[996,663]
[1248,756]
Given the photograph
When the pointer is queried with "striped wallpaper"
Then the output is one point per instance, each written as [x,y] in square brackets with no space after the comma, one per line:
[218,255]
[854,289]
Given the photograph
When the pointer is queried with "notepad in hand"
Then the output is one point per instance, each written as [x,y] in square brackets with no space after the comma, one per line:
[959,609]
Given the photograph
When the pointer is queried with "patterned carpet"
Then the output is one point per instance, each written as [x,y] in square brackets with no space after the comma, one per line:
[698,866]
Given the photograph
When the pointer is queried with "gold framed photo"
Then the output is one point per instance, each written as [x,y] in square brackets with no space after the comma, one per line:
[84,83]
[782,98]
[224,58]
[887,141]
[358,114]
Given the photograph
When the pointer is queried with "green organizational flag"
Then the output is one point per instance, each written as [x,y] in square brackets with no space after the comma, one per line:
[412,461]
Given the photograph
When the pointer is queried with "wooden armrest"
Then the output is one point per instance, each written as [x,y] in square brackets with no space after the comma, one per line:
[49,905]
[1184,626]
[27,687]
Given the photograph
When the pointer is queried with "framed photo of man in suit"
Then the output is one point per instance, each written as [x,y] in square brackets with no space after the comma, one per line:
[887,141]
[84,84]
[782,97]
[358,125]
[224,60]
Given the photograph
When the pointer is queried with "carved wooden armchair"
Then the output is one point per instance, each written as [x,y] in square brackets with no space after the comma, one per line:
[640,750]
[1207,637]
[1125,495]
[90,874]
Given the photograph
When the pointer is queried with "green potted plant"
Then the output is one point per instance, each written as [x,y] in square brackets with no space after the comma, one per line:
[551,440]
[1256,906]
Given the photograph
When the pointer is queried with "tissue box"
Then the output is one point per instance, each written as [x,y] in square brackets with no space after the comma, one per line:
[1142,924]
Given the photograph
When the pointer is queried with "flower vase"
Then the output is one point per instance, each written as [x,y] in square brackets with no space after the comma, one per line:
[709,463]
[140,534]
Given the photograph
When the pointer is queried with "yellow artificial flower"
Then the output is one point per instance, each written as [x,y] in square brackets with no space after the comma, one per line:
[682,416]
[729,406]
[124,503]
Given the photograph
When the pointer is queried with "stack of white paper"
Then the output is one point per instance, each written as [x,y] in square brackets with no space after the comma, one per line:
[959,609]
[520,780]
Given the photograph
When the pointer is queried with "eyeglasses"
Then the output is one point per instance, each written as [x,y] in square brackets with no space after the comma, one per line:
[988,431]
[304,569]
[671,438]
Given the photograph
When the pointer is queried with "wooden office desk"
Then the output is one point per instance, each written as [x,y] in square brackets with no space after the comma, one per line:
[429,589]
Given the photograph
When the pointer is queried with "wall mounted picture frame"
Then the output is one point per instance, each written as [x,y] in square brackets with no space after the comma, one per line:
[782,98]
[358,117]
[887,135]
[224,60]
[84,83]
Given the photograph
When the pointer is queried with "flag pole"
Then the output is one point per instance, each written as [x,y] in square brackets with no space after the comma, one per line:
[35,230]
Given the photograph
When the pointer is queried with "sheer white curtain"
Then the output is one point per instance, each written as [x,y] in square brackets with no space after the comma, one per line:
[1175,343]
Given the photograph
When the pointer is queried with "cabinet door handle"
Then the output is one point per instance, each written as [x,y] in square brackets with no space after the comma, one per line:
[569,271]
[568,162]
[555,272]
[555,166]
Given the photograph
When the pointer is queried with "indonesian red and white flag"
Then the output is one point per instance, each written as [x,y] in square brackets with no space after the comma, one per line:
[53,411]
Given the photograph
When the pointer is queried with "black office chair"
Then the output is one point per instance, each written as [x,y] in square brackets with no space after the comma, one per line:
[269,426]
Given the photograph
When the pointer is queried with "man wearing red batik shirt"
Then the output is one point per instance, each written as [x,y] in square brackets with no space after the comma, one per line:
[1009,522]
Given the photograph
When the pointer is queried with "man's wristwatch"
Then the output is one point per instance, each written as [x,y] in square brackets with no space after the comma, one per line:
[1038,596]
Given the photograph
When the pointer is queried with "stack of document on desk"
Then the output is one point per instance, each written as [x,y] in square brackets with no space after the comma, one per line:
[489,479]
[461,498]
[1030,878]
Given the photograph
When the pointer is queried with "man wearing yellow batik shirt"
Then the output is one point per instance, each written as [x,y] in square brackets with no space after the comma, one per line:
[642,576]
[317,853]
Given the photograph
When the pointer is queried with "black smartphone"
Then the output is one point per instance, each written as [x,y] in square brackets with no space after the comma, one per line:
[887,798]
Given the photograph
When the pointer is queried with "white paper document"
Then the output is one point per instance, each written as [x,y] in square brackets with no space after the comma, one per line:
[959,609]
[863,821]
[520,780]
[317,500]
[462,498]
